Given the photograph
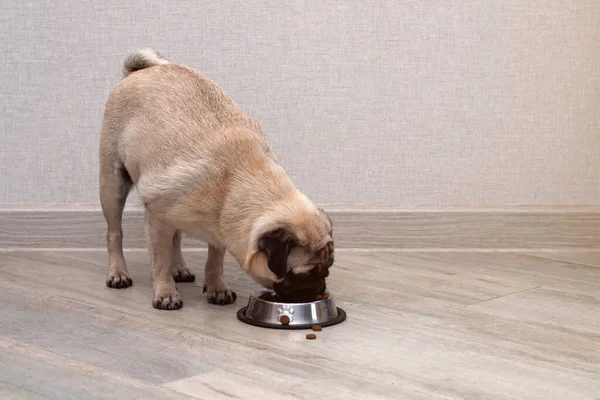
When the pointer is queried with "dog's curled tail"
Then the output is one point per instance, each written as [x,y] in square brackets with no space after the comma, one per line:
[145,58]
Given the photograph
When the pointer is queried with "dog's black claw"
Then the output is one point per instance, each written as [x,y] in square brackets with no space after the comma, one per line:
[167,304]
[221,298]
[184,277]
[122,283]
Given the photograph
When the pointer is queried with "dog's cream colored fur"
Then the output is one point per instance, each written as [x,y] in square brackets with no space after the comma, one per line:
[203,167]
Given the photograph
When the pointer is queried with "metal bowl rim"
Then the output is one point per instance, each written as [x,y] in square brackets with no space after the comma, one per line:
[241,314]
[256,294]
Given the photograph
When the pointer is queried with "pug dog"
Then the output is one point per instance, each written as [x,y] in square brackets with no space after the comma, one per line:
[202,167]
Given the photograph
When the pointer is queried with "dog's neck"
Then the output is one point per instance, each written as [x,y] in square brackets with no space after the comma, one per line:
[258,200]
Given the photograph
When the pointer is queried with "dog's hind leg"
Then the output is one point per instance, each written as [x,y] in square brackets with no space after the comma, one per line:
[115,184]
[180,271]
[159,237]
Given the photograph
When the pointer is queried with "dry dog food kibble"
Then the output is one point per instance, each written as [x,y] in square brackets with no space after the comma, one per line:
[319,297]
[311,336]
[285,320]
[317,328]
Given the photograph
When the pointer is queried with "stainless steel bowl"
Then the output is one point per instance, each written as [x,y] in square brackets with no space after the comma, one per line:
[267,314]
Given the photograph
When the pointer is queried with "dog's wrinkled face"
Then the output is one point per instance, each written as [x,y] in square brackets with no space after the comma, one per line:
[306,273]
[294,260]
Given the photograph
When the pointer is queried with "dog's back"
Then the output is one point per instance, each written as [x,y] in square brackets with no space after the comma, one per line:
[162,112]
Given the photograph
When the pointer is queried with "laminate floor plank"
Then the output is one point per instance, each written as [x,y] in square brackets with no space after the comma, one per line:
[420,325]
[10,392]
[523,268]
[577,312]
[591,258]
[39,373]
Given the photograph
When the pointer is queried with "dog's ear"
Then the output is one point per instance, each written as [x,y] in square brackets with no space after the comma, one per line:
[277,245]
[327,219]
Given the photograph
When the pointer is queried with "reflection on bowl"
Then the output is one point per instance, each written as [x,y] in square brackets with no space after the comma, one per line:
[267,314]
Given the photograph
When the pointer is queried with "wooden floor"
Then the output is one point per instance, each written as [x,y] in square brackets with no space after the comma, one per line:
[420,326]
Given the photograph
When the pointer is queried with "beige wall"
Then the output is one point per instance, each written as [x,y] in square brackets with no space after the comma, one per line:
[381,102]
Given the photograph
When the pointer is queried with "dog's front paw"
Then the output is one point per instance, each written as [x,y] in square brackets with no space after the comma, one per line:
[222,296]
[118,280]
[167,301]
[183,275]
